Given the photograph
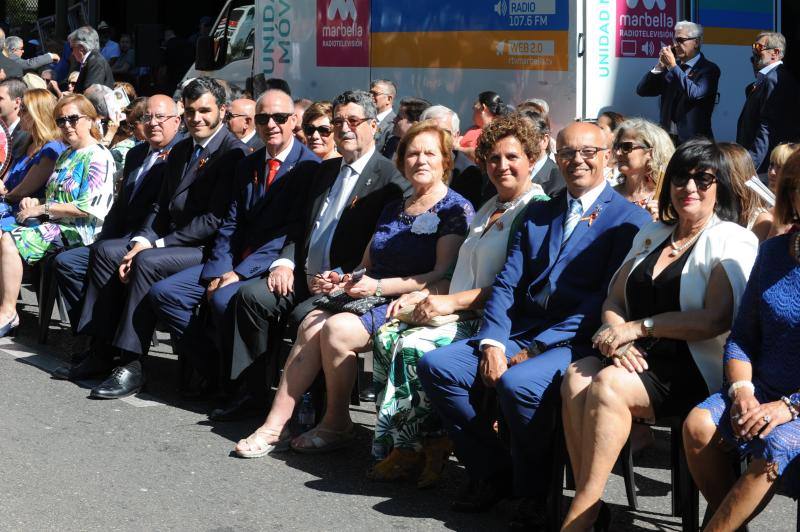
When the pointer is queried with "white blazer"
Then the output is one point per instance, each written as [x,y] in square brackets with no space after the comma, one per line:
[721,242]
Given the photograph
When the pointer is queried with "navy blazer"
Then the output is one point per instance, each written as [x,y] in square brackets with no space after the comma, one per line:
[255,229]
[95,70]
[130,209]
[578,275]
[769,116]
[686,99]
[194,198]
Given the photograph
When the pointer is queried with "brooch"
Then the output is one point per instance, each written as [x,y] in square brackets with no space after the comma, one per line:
[353,203]
[163,155]
[202,163]
[645,246]
[592,217]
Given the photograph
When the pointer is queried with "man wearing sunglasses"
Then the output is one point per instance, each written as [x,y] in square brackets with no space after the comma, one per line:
[342,201]
[176,234]
[241,122]
[686,83]
[265,208]
[770,113]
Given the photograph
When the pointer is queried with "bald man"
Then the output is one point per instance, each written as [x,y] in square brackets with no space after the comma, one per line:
[241,122]
[544,308]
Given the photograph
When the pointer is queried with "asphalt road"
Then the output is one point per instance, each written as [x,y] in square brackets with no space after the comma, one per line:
[154,462]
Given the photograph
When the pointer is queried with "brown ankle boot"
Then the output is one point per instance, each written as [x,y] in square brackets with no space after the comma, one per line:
[437,452]
[401,464]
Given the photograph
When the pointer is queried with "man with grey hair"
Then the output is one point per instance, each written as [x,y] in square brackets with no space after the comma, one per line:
[8,68]
[686,83]
[769,116]
[94,68]
[383,92]
[16,48]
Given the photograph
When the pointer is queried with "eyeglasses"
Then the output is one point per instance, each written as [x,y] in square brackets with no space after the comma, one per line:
[231,116]
[72,119]
[589,152]
[352,121]
[324,131]
[759,47]
[681,40]
[627,147]
[375,94]
[160,119]
[702,180]
[262,119]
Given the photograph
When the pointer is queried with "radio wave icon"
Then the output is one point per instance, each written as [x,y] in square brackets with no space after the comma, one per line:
[344,8]
[648,4]
[501,8]
[648,48]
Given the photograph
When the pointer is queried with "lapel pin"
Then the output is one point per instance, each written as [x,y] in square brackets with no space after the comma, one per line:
[369,182]
[353,203]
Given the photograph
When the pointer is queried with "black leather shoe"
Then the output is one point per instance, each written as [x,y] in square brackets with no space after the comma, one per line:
[244,406]
[479,497]
[91,367]
[124,381]
[368,394]
[530,515]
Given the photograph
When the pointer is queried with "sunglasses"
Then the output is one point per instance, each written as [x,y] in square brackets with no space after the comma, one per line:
[758,47]
[628,147]
[231,116]
[589,152]
[702,180]
[352,121]
[262,119]
[324,131]
[72,119]
[681,40]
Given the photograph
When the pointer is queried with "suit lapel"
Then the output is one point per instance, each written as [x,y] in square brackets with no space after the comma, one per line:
[580,236]
[193,170]
[279,181]
[366,178]
[554,231]
[130,180]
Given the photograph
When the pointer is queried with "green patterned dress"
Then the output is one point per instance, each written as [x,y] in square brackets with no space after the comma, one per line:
[83,178]
[404,414]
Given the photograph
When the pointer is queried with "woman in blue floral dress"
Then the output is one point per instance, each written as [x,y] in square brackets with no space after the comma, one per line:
[77,198]
[755,413]
[28,175]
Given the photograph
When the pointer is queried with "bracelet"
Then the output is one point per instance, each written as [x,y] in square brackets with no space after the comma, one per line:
[378,290]
[740,384]
[47,210]
[790,406]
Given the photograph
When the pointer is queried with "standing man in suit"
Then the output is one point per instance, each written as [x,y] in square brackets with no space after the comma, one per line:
[193,200]
[383,92]
[16,48]
[343,200]
[141,182]
[11,92]
[545,306]
[264,208]
[769,116]
[8,67]
[686,83]
[241,122]
[94,68]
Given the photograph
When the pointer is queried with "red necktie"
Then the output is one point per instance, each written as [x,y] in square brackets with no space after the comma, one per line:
[274,165]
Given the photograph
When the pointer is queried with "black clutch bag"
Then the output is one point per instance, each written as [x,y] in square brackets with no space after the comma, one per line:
[341,302]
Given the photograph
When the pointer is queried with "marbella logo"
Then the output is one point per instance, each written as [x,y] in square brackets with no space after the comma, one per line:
[344,8]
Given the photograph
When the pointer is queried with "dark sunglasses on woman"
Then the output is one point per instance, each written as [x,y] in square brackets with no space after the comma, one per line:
[72,119]
[324,131]
[702,180]
[262,119]
[628,147]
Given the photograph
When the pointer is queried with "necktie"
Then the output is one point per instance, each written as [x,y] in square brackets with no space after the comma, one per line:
[571,221]
[318,258]
[146,166]
[274,165]
[198,149]
[685,67]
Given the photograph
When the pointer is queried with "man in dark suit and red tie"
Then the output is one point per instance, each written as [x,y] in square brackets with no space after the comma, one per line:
[180,228]
[769,116]
[265,208]
[687,84]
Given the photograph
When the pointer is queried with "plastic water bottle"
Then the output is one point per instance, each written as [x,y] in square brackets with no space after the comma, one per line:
[306,415]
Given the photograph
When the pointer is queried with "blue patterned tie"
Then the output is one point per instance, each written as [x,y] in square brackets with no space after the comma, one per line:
[198,149]
[572,219]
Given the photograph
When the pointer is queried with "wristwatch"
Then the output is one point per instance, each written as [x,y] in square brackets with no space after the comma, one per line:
[649,327]
[795,400]
[378,291]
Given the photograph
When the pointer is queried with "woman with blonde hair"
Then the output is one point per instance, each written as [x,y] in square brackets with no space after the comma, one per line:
[642,150]
[754,213]
[780,154]
[29,174]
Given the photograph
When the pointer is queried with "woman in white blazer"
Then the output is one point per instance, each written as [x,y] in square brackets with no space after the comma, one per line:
[669,309]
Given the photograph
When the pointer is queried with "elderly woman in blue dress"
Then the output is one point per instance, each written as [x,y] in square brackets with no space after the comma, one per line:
[755,412]
[414,245]
[76,198]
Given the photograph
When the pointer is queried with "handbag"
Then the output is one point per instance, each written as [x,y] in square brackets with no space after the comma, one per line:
[342,302]
[406,316]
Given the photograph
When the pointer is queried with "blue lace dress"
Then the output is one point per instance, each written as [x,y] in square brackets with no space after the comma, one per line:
[397,250]
[766,334]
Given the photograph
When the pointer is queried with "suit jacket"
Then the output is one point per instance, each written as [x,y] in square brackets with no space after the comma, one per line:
[379,184]
[255,229]
[255,143]
[133,204]
[578,275]
[384,130]
[468,180]
[33,63]
[11,68]
[20,139]
[194,198]
[686,98]
[95,70]
[769,116]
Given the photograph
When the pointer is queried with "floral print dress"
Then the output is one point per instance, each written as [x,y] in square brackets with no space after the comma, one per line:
[83,178]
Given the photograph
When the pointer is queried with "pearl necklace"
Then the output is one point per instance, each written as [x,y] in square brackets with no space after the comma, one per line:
[676,249]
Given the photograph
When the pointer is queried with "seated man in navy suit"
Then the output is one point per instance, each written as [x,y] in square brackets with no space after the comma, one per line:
[141,181]
[544,307]
[266,205]
[193,200]
[686,82]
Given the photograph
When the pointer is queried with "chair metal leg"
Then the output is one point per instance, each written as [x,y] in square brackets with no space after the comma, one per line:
[47,297]
[625,461]
[560,466]
[62,307]
[689,496]
[154,341]
[355,400]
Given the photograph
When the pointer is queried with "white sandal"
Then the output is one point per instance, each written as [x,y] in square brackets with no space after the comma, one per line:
[258,445]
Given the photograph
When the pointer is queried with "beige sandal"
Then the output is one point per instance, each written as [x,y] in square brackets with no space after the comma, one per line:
[257,445]
[321,440]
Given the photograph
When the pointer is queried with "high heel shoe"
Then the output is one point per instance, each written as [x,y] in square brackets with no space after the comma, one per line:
[603,522]
[10,327]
